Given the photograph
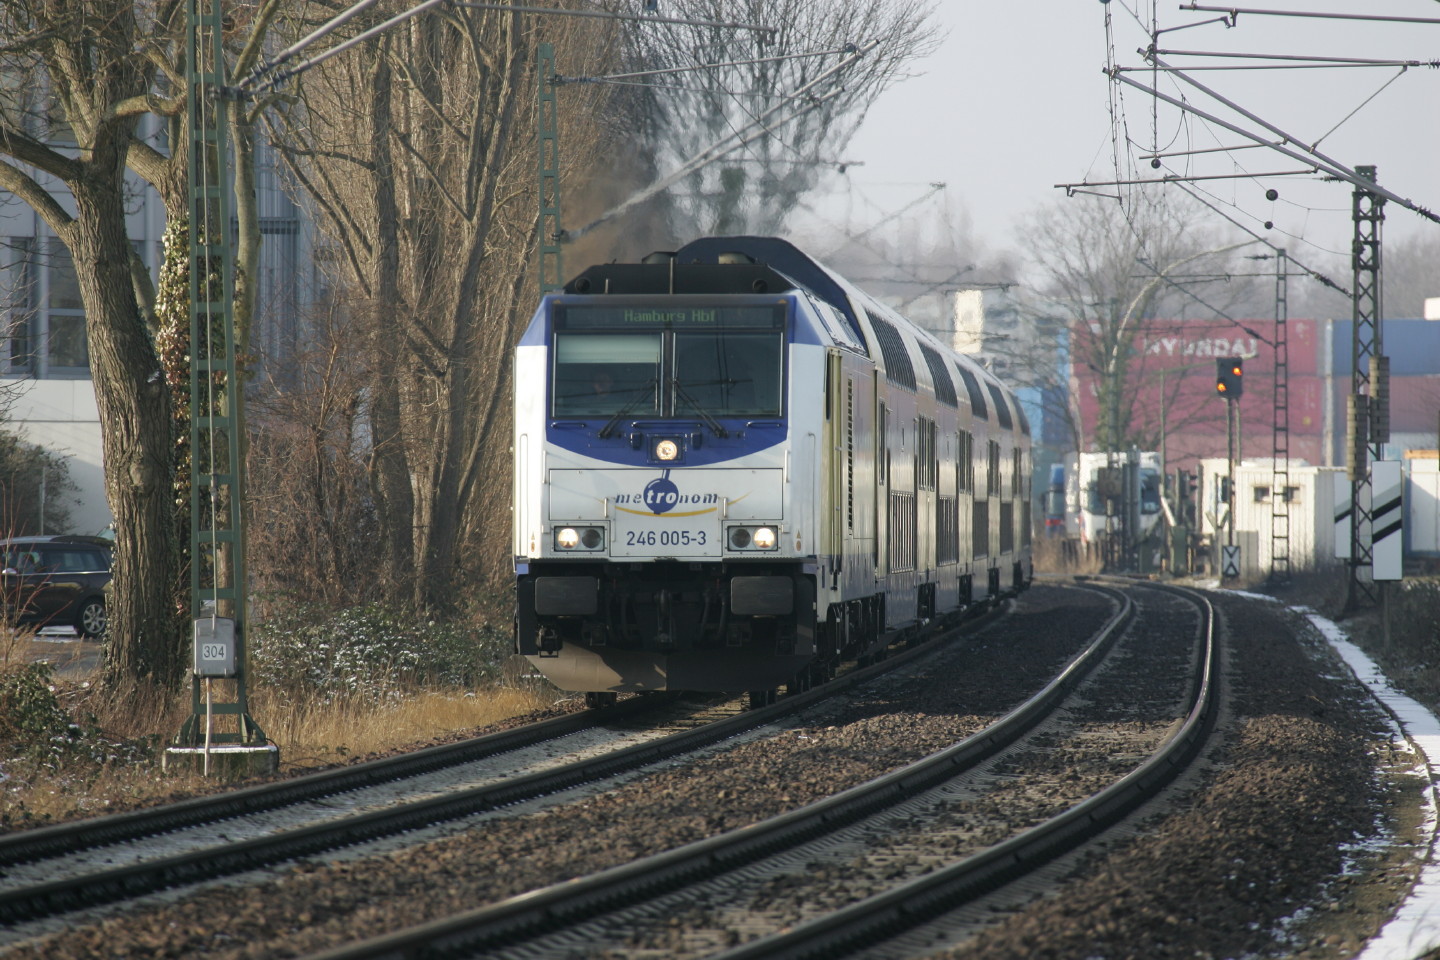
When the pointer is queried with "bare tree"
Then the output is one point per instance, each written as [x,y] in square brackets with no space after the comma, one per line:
[418,150]
[771,79]
[88,73]
[1110,266]
[82,55]
[313,519]
[1410,274]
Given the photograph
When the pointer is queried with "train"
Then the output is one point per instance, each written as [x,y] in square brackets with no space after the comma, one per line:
[734,471]
[1116,489]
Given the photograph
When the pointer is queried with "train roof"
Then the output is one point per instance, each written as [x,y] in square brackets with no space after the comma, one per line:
[669,275]
[748,264]
[785,257]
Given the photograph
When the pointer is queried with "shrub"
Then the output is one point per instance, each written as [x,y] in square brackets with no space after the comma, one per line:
[30,714]
[370,653]
[37,730]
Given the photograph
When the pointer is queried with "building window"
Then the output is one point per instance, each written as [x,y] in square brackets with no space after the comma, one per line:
[1262,494]
[66,348]
[17,305]
[42,312]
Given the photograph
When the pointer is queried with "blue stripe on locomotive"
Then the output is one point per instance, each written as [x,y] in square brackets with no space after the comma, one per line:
[748,435]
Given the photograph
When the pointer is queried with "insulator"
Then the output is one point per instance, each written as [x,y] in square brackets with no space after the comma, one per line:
[1357,424]
[1379,400]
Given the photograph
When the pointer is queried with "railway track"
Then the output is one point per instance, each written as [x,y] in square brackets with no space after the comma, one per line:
[69,867]
[698,899]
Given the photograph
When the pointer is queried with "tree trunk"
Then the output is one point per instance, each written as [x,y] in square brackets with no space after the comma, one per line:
[390,470]
[144,641]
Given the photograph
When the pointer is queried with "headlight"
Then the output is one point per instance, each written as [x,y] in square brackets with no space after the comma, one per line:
[579,538]
[666,450]
[753,538]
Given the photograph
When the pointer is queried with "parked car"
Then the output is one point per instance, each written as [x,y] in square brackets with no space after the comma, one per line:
[56,581]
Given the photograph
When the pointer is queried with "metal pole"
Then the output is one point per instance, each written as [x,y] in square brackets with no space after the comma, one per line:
[1280,443]
[217,498]
[1164,459]
[1230,472]
[209,724]
[552,266]
[1383,587]
[1366,343]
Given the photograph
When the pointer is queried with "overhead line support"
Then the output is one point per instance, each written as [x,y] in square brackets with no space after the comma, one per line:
[1323,164]
[1367,425]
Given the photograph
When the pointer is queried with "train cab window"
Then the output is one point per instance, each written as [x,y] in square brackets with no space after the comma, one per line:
[727,374]
[1149,491]
[670,358]
[603,373]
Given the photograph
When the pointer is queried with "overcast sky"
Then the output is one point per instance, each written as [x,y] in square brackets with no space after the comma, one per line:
[1015,101]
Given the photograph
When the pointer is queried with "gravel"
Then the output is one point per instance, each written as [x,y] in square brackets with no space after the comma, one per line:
[1248,862]
[1263,859]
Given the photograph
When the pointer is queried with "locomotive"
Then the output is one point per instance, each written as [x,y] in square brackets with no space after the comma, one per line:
[734,471]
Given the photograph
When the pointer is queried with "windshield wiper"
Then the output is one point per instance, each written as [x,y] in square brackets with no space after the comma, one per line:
[710,421]
[624,411]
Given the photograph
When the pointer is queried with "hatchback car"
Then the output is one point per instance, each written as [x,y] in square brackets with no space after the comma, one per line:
[56,582]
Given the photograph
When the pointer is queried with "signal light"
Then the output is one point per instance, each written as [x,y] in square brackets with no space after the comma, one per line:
[1230,377]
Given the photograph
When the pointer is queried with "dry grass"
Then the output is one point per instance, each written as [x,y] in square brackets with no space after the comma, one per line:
[311,736]
[119,767]
[28,645]
[1064,557]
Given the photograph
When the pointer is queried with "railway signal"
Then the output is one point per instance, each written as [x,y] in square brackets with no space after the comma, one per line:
[1229,377]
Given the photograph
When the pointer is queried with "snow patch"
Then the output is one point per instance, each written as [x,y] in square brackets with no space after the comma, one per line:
[1415,928]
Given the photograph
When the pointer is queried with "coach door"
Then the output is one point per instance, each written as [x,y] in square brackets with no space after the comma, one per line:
[840,457]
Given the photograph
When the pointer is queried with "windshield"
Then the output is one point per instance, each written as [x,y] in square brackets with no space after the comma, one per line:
[676,359]
[727,374]
[603,373]
[1149,491]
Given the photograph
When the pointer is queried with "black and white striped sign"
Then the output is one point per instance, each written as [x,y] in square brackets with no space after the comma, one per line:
[1387,520]
[1229,562]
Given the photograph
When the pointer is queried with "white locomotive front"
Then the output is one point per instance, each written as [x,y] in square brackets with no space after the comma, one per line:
[661,501]
[718,487]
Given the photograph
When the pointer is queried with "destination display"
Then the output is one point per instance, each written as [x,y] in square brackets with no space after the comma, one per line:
[766,316]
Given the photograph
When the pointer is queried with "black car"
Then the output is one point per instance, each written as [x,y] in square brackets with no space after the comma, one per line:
[56,582]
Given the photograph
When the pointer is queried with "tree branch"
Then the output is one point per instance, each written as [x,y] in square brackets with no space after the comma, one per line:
[21,184]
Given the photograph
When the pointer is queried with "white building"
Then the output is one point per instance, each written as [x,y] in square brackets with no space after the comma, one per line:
[44,356]
[1309,503]
[1422,504]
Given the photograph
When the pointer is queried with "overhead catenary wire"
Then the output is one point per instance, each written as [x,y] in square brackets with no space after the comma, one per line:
[1295,58]
[1313,274]
[1191,117]
[608,15]
[733,141]
[1206,304]
[270,75]
[1235,12]
[1330,167]
[613,77]
[1181,178]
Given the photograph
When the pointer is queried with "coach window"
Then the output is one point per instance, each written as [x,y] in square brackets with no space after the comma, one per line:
[604,373]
